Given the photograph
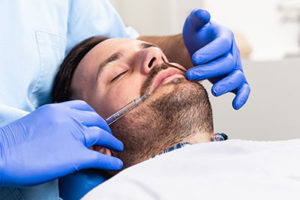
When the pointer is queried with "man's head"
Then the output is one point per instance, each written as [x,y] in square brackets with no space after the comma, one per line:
[109,73]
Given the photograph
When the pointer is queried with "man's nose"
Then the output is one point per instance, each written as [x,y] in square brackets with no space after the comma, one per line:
[151,58]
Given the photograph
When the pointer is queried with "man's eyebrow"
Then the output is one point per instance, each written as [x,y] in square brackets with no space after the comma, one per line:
[112,58]
[117,55]
[145,45]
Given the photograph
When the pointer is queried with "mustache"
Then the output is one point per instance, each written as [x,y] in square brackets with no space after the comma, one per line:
[156,69]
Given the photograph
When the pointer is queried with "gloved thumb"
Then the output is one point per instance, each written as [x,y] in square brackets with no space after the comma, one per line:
[98,160]
[198,18]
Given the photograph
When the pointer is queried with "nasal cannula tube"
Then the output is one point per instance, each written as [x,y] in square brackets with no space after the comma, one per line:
[123,111]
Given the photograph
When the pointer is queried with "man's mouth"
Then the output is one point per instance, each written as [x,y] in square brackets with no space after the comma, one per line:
[166,76]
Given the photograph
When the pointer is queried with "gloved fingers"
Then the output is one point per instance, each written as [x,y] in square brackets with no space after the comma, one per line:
[241,97]
[78,105]
[218,47]
[100,137]
[89,118]
[231,82]
[198,18]
[98,160]
[215,68]
[236,53]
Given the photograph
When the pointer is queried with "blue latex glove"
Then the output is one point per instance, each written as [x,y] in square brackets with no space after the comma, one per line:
[216,57]
[53,141]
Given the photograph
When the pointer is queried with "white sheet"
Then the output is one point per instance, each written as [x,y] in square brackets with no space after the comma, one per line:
[233,169]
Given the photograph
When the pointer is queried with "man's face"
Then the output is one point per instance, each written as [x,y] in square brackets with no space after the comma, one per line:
[112,74]
[117,71]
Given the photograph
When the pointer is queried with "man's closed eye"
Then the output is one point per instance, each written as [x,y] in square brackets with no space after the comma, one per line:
[118,76]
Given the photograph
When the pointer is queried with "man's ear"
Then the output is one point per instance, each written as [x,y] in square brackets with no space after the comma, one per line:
[102,150]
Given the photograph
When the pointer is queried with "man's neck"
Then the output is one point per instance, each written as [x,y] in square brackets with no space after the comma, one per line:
[200,137]
[195,139]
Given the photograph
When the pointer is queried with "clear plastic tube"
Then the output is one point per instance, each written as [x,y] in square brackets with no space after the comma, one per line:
[126,109]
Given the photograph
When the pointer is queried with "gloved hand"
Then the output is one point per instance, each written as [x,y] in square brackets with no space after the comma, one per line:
[53,141]
[216,57]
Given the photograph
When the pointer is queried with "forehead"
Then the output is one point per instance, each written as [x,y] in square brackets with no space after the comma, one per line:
[104,49]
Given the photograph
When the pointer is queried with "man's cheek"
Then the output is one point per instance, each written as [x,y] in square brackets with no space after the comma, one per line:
[122,97]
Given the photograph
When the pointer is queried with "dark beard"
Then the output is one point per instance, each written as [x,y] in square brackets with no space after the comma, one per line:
[162,122]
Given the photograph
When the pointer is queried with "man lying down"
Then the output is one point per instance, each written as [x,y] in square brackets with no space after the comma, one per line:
[117,71]
[110,73]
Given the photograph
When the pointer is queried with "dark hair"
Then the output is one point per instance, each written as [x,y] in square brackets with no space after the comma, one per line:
[61,90]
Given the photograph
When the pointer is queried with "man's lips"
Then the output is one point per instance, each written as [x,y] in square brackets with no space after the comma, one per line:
[165,76]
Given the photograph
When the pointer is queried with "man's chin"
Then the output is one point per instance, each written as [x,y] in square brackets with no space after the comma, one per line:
[160,122]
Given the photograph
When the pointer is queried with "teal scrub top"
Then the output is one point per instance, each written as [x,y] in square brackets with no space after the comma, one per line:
[35,36]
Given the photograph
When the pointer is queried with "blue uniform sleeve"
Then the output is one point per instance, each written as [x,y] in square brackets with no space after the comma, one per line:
[88,18]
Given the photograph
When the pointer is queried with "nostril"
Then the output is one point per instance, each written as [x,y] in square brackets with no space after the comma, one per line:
[151,62]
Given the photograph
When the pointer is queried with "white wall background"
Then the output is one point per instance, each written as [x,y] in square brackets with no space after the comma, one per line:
[156,17]
[261,21]
[273,108]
